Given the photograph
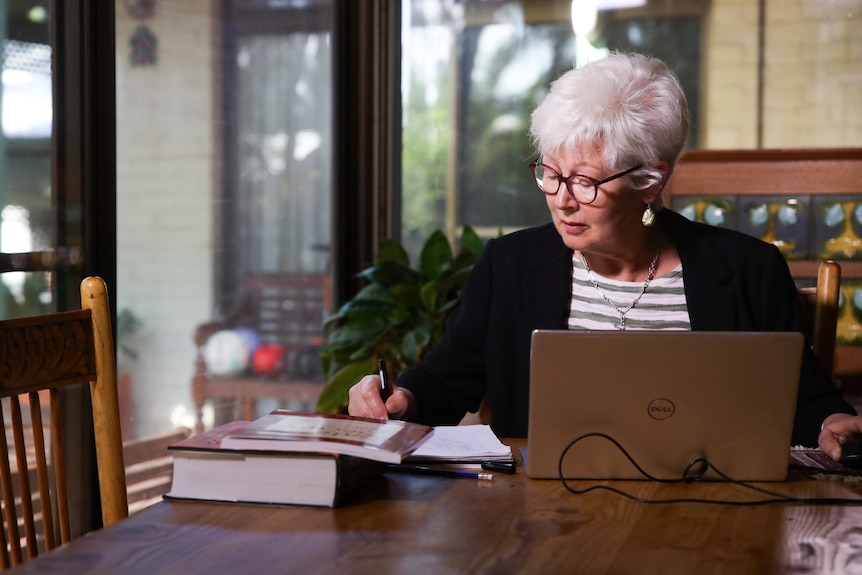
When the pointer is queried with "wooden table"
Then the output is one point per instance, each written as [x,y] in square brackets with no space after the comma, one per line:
[419,524]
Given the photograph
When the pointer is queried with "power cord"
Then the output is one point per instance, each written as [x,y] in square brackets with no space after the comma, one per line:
[693,471]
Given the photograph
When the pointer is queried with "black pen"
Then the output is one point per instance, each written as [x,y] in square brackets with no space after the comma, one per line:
[419,470]
[503,466]
[386,387]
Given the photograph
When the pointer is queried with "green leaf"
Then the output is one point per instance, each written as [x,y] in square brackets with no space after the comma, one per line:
[362,305]
[471,242]
[365,310]
[393,251]
[436,254]
[415,342]
[464,260]
[451,285]
[335,394]
[399,314]
[431,294]
[355,334]
[390,273]
[410,347]
[407,296]
[374,292]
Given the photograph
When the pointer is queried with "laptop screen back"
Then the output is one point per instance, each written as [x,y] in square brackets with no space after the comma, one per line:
[668,398]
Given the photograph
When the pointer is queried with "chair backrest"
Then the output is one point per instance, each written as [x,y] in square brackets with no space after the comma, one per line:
[288,308]
[39,355]
[820,313]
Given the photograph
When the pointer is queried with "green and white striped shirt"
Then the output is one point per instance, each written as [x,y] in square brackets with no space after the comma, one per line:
[662,306]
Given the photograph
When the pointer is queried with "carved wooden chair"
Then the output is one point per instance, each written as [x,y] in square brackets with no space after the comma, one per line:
[38,356]
[819,307]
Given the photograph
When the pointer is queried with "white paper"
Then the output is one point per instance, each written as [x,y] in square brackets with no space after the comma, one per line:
[462,443]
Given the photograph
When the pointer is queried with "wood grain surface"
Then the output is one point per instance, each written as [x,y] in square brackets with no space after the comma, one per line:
[420,524]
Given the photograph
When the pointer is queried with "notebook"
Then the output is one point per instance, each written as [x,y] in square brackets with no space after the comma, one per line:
[668,398]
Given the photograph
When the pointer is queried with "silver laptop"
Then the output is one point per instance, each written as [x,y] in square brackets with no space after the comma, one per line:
[667,397]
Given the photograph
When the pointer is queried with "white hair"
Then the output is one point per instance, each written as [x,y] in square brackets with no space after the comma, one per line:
[629,108]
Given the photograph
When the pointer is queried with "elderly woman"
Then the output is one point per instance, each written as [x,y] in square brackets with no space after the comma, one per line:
[608,137]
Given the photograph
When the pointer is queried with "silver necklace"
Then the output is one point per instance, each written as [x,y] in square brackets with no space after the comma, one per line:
[622,312]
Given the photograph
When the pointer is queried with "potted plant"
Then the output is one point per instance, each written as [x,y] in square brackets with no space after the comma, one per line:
[398,316]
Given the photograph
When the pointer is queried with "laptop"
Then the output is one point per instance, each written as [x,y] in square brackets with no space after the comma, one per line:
[667,397]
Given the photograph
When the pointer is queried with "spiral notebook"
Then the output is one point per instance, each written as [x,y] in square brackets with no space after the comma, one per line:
[667,397]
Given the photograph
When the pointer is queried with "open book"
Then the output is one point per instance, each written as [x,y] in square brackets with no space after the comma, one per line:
[814,463]
[296,431]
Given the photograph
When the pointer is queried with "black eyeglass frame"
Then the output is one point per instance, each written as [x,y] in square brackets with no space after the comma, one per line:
[567,179]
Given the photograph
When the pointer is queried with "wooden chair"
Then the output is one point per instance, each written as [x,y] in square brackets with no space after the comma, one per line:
[283,308]
[38,356]
[811,179]
[819,307]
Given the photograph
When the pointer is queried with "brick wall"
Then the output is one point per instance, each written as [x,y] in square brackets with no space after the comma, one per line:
[812,80]
[167,162]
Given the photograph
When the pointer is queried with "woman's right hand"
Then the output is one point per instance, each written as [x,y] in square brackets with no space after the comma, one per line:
[364,400]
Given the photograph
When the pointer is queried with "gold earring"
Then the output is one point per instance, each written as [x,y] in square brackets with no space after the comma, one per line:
[648,219]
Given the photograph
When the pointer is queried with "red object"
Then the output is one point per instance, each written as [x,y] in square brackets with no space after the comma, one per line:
[268,359]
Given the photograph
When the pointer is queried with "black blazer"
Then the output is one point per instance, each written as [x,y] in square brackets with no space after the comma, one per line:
[522,282]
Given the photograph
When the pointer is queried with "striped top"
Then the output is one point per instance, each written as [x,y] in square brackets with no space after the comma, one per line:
[662,306]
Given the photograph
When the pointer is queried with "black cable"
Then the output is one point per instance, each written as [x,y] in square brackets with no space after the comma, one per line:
[694,471]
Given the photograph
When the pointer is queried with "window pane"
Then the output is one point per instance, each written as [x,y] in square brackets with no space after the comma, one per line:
[282,145]
[27,222]
[223,200]
[473,71]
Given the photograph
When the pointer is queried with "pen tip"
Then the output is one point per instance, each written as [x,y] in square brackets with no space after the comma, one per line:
[486,476]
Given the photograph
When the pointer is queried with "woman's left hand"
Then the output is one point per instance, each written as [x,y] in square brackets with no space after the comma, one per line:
[836,428]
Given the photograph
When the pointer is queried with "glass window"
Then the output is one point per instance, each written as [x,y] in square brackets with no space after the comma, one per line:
[223,207]
[472,72]
[28,232]
[224,156]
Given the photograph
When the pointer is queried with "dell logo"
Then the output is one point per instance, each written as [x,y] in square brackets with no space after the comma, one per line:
[661,408]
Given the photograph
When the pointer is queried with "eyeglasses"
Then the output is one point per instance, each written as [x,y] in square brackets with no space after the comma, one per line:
[583,189]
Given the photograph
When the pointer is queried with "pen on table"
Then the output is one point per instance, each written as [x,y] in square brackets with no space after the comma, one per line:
[419,470]
[386,388]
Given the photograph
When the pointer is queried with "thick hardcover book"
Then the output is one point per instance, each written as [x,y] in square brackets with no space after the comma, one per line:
[388,441]
[205,470]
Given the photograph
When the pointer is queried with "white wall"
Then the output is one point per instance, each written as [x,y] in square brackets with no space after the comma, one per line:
[167,162]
